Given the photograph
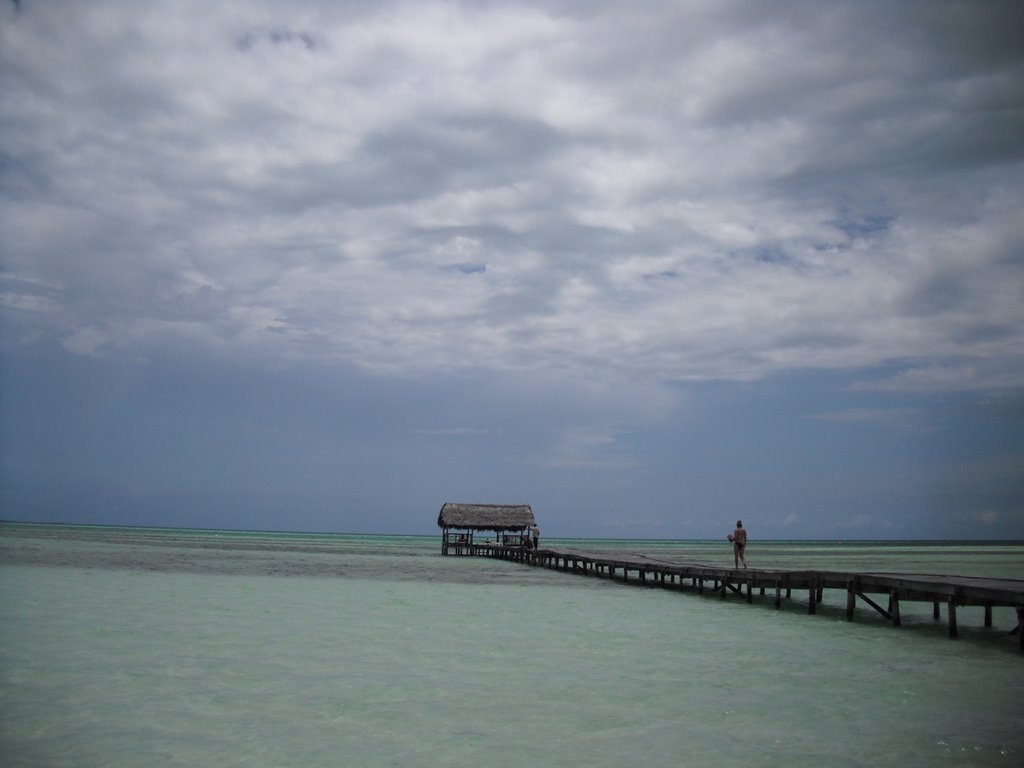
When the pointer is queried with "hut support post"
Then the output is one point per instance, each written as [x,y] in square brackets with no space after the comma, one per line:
[952,617]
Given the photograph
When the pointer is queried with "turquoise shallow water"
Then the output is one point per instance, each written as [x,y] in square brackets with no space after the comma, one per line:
[132,647]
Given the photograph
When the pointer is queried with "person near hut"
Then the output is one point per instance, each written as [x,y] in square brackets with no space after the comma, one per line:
[739,544]
[535,531]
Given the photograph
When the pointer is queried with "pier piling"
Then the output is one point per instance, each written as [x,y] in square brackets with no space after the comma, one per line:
[954,591]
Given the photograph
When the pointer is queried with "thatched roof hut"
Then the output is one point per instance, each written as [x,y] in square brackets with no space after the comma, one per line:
[459,521]
[486,517]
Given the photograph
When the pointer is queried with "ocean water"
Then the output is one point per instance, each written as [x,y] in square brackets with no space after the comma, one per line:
[143,647]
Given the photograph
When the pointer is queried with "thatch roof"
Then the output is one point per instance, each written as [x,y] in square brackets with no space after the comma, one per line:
[486,517]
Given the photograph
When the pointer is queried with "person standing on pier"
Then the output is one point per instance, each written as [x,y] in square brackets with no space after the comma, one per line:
[536,536]
[739,544]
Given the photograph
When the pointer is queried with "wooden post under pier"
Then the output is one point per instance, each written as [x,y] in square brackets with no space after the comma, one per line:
[955,591]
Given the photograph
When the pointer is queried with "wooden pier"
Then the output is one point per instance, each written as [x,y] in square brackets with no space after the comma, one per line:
[873,589]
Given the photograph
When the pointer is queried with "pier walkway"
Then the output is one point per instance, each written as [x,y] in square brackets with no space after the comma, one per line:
[872,589]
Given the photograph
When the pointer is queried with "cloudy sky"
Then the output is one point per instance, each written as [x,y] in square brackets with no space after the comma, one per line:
[648,267]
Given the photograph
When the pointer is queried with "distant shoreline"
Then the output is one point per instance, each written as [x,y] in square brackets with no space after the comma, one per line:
[258,531]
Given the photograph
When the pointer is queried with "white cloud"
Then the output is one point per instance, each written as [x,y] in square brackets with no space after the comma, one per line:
[590,447]
[865,522]
[949,376]
[28,302]
[86,341]
[691,192]
[869,415]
